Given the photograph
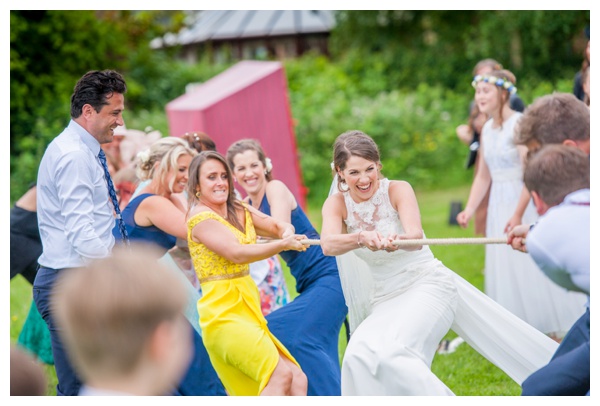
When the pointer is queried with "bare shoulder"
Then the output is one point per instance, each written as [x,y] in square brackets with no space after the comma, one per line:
[400,190]
[197,209]
[279,194]
[336,198]
[156,202]
[400,186]
[335,204]
[276,184]
[277,189]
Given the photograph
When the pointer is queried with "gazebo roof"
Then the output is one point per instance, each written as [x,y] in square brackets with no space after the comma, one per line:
[221,25]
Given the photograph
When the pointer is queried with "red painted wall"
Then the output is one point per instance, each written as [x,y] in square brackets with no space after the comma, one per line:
[249,100]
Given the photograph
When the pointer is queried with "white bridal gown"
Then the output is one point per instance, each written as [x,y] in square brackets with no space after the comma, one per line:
[511,277]
[401,304]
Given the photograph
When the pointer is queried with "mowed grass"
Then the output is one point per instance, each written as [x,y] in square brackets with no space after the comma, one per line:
[465,372]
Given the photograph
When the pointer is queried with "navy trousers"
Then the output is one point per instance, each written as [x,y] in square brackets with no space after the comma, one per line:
[68,382]
[568,372]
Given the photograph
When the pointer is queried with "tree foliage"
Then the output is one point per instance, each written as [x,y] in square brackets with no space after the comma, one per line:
[402,76]
[50,50]
[439,47]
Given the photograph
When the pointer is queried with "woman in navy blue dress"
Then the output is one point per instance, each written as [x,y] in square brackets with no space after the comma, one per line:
[310,325]
[156,216]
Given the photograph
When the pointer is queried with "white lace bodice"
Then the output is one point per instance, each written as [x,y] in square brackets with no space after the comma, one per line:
[392,272]
[377,213]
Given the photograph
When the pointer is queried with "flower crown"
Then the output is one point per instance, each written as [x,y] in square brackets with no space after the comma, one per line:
[504,83]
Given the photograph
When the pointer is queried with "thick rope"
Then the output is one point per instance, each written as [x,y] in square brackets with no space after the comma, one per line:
[424,241]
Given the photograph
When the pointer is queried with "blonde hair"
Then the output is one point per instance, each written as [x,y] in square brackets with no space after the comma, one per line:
[161,157]
[109,309]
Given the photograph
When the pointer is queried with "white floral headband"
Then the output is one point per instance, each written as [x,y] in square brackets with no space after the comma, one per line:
[503,83]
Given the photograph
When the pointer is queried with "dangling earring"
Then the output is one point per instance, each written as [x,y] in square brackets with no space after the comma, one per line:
[198,194]
[341,182]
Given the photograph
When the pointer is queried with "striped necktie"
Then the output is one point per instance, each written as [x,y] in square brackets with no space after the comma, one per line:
[113,197]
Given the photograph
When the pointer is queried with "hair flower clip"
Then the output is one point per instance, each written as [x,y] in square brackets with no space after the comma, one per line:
[144,156]
[268,164]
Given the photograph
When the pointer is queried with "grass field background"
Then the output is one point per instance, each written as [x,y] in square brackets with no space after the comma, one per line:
[465,371]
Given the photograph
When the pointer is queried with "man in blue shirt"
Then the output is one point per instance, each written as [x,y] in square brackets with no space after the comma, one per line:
[75,213]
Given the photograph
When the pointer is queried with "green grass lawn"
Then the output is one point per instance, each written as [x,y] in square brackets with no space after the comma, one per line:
[465,371]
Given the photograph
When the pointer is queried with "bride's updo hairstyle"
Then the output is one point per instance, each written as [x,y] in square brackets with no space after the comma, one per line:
[349,144]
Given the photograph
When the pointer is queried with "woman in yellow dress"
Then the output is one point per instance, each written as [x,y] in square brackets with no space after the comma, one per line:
[222,232]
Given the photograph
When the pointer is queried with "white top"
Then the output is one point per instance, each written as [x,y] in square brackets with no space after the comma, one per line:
[75,215]
[560,242]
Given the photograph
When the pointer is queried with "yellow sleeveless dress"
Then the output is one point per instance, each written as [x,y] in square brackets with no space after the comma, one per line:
[242,350]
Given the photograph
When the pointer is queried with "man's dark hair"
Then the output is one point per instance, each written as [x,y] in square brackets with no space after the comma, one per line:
[94,88]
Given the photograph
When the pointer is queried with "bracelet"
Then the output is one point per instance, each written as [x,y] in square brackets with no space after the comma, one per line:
[358,240]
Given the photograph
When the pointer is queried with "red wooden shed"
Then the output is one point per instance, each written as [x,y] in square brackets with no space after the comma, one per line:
[249,100]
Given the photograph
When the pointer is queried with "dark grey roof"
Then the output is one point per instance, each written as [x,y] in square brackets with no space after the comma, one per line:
[237,24]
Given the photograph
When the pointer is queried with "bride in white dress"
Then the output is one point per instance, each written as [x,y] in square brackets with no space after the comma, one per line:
[402,302]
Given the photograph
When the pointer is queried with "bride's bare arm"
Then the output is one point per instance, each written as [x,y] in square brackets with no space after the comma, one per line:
[404,200]
[335,239]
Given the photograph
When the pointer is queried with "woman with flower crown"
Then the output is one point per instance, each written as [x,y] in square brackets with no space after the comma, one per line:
[402,302]
[310,325]
[511,279]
